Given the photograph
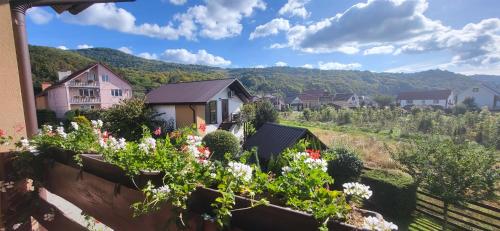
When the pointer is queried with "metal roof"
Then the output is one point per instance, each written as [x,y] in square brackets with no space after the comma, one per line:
[272,139]
[72,6]
[423,95]
[195,92]
[342,96]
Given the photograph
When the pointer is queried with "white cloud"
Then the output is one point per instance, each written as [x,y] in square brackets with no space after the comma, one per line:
[338,66]
[295,8]
[281,64]
[308,66]
[202,57]
[379,50]
[147,55]
[62,47]
[178,2]
[125,50]
[271,28]
[84,46]
[216,19]
[259,66]
[39,16]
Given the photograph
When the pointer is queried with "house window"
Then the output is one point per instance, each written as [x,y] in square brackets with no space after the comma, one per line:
[116,92]
[211,112]
[105,78]
[87,92]
[91,77]
[436,101]
[409,101]
[476,89]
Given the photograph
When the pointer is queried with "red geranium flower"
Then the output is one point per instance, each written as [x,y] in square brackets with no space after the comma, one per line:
[203,127]
[2,133]
[314,154]
[157,132]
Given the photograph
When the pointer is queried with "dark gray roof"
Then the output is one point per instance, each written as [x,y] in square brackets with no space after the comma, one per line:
[422,95]
[195,92]
[273,139]
[72,6]
[342,96]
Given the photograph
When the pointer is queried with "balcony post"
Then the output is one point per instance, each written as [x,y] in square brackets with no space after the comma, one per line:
[24,66]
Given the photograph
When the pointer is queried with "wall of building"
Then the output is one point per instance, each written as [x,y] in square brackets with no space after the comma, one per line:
[483,98]
[168,112]
[58,100]
[12,113]
[445,103]
[107,100]
[235,104]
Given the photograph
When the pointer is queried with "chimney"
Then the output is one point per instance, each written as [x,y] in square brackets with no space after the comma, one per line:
[63,74]
[45,85]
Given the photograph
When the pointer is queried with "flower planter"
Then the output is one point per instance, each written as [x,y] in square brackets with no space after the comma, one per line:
[95,164]
[271,217]
[62,156]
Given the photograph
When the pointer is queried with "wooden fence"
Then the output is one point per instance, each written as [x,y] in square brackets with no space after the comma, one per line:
[472,216]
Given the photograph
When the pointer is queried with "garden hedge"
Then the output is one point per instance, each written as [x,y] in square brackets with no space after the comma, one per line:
[394,192]
[221,142]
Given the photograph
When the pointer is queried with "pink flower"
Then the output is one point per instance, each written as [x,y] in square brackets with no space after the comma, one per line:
[2,133]
[157,132]
[203,127]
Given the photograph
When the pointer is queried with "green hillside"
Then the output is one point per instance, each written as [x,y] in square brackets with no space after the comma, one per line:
[147,74]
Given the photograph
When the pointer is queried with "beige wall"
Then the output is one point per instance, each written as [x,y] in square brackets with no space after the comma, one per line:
[11,106]
[184,115]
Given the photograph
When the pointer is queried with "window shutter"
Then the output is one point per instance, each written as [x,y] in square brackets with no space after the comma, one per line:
[207,113]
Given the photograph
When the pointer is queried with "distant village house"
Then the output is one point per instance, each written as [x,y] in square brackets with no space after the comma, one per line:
[438,98]
[93,87]
[483,95]
[210,104]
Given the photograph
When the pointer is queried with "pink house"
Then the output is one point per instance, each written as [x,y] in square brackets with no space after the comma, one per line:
[92,87]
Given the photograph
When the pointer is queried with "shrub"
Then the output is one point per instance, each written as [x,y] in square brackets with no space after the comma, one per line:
[345,166]
[264,112]
[45,116]
[82,120]
[221,142]
[394,192]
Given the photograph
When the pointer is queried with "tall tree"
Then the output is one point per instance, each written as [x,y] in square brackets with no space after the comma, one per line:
[457,172]
[264,112]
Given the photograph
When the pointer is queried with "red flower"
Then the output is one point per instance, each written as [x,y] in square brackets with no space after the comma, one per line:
[18,128]
[157,132]
[203,127]
[2,133]
[314,154]
[105,136]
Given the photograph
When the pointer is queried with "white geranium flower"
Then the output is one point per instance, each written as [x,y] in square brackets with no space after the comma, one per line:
[60,131]
[285,170]
[46,129]
[357,189]
[317,163]
[378,224]
[163,189]
[241,171]
[147,145]
[75,125]
[96,123]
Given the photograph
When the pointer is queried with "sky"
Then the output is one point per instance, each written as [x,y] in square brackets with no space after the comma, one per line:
[377,35]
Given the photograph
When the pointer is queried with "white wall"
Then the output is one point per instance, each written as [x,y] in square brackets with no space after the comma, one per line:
[445,103]
[235,104]
[484,97]
[168,110]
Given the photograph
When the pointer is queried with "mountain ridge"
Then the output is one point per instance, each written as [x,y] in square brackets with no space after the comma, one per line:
[146,74]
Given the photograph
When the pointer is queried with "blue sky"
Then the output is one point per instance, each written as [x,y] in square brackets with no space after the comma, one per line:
[380,35]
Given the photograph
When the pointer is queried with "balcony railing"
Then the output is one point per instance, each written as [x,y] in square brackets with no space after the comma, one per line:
[83,100]
[83,84]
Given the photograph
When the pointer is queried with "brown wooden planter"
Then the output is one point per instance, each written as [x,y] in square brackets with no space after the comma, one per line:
[271,217]
[62,156]
[95,164]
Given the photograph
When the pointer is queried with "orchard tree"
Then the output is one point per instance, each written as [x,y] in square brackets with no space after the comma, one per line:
[383,100]
[457,172]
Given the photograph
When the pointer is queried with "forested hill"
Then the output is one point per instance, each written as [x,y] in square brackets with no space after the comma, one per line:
[146,74]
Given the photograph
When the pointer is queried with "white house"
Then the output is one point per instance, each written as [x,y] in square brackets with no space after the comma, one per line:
[210,104]
[442,98]
[483,95]
[346,100]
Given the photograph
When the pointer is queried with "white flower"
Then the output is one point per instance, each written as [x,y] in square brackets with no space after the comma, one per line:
[213,175]
[241,171]
[285,170]
[25,145]
[147,145]
[378,224]
[96,123]
[74,125]
[46,129]
[357,189]
[60,132]
[48,217]
[194,140]
[16,226]
[317,163]
[163,189]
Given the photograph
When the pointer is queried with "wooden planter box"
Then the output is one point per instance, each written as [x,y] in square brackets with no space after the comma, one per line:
[96,192]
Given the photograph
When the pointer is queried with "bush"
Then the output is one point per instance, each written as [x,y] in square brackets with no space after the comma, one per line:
[264,112]
[345,166]
[221,142]
[394,192]
[82,120]
[45,116]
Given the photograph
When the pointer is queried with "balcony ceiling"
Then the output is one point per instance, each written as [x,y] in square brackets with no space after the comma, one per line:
[72,6]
